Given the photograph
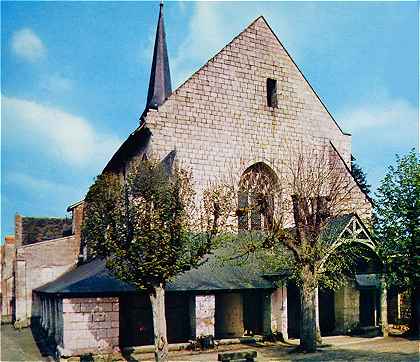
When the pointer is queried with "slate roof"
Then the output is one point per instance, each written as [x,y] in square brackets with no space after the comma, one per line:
[160,76]
[94,278]
[368,280]
[335,227]
[134,145]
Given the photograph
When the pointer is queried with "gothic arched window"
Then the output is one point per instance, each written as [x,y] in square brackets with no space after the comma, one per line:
[256,195]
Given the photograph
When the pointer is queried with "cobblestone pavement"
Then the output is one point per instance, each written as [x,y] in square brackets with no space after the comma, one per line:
[29,345]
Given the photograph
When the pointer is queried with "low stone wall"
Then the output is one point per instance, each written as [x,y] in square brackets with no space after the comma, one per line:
[90,325]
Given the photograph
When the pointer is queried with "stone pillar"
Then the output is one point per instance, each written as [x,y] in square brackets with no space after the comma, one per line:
[267,311]
[383,308]
[229,315]
[42,311]
[20,290]
[279,312]
[77,219]
[202,312]
[346,308]
[48,327]
[18,230]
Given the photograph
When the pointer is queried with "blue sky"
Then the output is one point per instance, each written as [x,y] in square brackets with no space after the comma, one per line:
[74,79]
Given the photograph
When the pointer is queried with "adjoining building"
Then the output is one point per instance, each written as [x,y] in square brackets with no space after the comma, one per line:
[243,111]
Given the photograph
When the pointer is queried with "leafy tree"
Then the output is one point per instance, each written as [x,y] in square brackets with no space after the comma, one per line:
[150,230]
[298,232]
[397,226]
[360,177]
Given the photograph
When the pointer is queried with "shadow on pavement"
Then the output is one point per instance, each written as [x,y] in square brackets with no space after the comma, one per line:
[340,354]
[46,346]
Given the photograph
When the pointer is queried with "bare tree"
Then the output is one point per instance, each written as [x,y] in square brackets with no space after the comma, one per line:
[285,222]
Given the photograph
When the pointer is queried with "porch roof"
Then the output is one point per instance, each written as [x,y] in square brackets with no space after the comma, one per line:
[95,278]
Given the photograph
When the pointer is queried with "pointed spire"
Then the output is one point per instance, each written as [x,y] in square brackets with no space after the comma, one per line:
[160,76]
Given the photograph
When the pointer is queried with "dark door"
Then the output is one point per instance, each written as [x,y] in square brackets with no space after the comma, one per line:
[293,311]
[253,312]
[136,321]
[326,311]
[177,317]
[367,307]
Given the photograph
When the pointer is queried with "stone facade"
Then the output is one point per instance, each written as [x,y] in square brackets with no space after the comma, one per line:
[30,230]
[220,124]
[31,259]
[90,325]
[8,250]
[38,264]
[81,325]
[346,308]
[202,312]
[219,121]
[279,312]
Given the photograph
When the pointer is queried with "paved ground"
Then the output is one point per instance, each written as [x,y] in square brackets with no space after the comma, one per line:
[29,345]
[339,348]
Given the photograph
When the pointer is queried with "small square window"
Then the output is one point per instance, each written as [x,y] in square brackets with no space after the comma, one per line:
[272,93]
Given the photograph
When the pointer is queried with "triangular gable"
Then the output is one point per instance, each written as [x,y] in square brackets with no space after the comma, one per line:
[356,231]
[258,21]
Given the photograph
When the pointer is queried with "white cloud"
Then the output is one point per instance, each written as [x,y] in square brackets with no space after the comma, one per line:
[390,119]
[66,138]
[212,25]
[381,127]
[208,32]
[56,83]
[27,45]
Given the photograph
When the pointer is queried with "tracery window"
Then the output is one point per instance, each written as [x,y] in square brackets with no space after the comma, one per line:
[257,190]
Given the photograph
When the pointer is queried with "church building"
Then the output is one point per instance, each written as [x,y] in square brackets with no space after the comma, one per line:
[245,110]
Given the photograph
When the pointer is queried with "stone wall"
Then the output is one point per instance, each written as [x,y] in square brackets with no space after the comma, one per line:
[346,308]
[7,278]
[279,311]
[90,325]
[30,230]
[219,121]
[202,311]
[38,264]
[229,315]
[77,220]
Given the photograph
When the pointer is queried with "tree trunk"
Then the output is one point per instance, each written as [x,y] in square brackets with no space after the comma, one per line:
[308,320]
[157,298]
[415,312]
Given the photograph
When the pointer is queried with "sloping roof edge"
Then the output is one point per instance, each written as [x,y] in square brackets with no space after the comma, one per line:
[306,80]
[288,54]
[351,174]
